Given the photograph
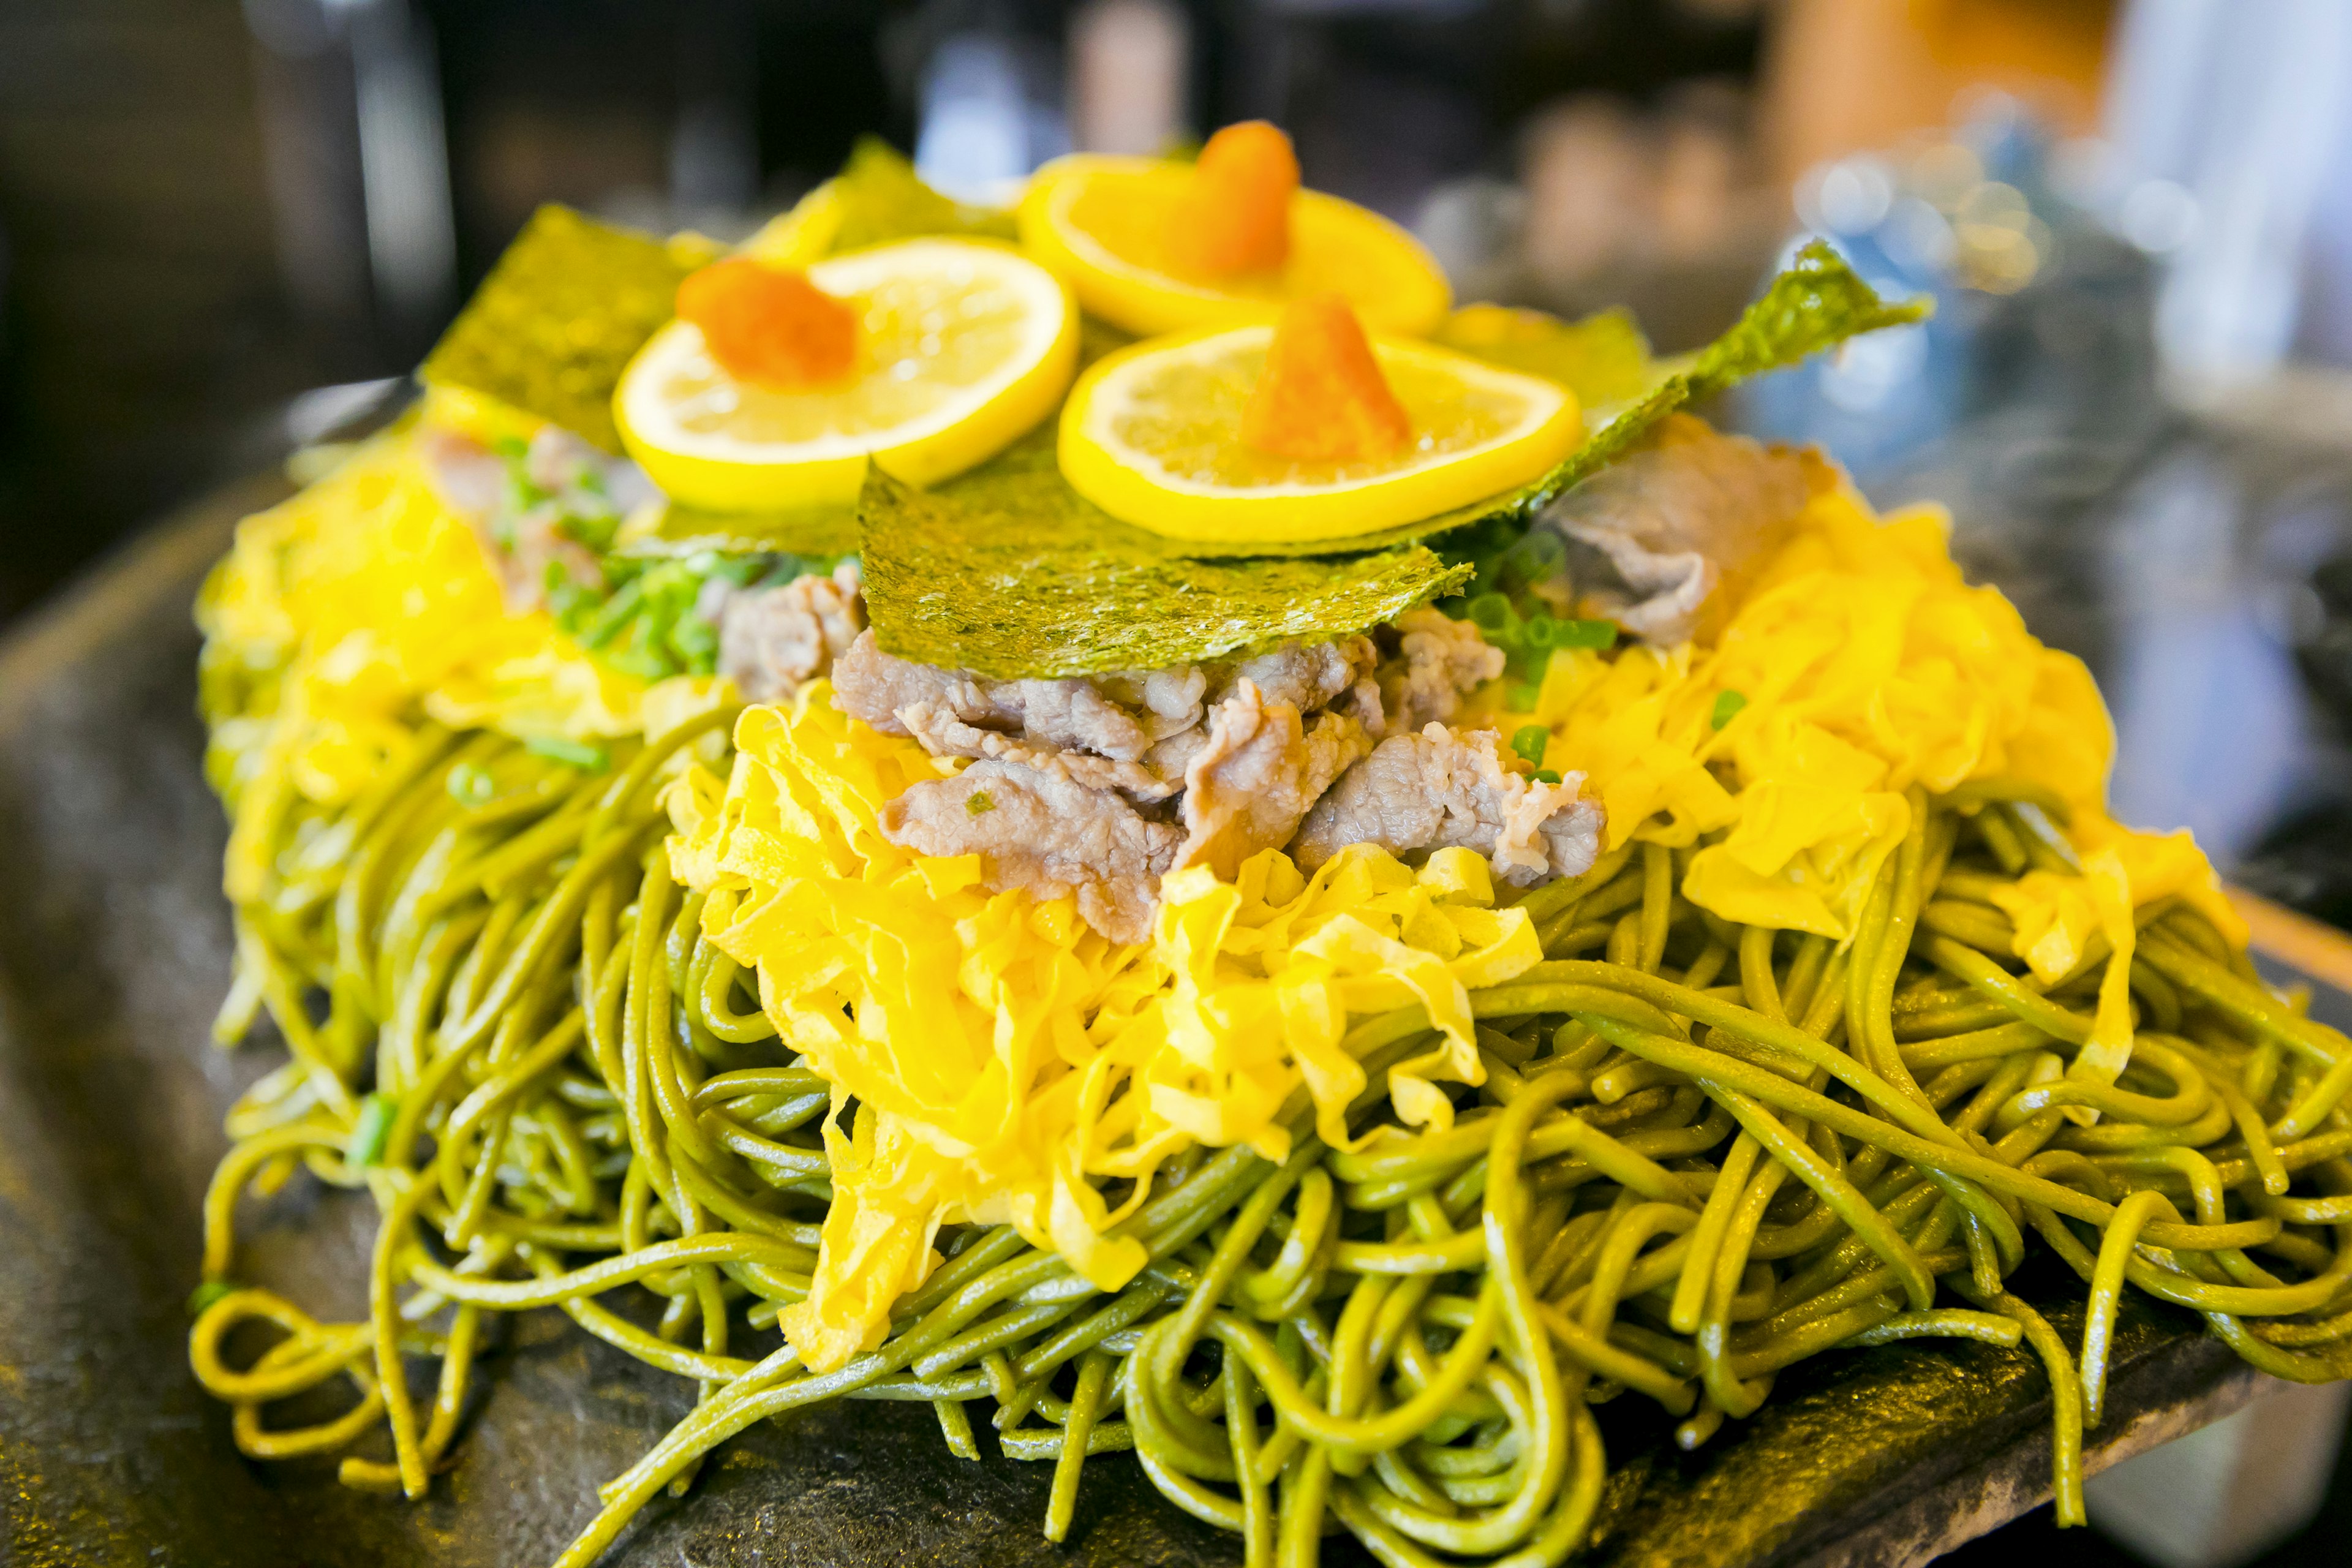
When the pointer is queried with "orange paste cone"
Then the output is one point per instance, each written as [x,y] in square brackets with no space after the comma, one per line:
[1322,397]
[770,326]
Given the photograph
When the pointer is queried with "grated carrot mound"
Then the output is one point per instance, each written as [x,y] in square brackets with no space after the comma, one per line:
[1006,1060]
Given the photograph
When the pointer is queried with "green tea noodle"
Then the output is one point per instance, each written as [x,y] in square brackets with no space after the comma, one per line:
[1701,1155]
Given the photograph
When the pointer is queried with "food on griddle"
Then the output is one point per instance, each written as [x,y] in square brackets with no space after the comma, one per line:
[1323,1018]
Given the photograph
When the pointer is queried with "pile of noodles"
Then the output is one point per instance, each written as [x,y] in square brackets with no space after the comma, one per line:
[1346,1195]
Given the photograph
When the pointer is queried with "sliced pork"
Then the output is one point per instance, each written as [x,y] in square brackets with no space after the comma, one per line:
[1675,529]
[1099,785]
[1047,834]
[1438,790]
[773,640]
[1438,662]
[1257,773]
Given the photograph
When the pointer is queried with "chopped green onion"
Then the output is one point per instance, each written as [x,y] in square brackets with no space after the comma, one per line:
[594,531]
[583,754]
[978,801]
[368,1133]
[1546,775]
[1584,634]
[471,784]
[1492,613]
[618,611]
[1521,696]
[1529,743]
[201,1298]
[1728,705]
[695,643]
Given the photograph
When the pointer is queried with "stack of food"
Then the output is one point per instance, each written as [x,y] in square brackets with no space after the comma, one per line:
[1115,817]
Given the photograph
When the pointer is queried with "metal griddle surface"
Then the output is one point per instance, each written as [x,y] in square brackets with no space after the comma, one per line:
[114,949]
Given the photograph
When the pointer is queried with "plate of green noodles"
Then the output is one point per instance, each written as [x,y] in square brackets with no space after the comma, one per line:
[111,1101]
[1011,1044]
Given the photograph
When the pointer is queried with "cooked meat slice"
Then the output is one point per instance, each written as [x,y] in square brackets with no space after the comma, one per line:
[1072,715]
[771,641]
[1167,701]
[1259,771]
[874,688]
[1046,833]
[1168,759]
[943,734]
[1173,696]
[1439,661]
[1308,676]
[1064,715]
[1670,526]
[521,536]
[1437,790]
[467,475]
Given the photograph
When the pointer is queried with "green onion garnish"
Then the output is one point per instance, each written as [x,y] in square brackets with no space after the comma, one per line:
[1529,743]
[1728,705]
[583,754]
[368,1134]
[470,784]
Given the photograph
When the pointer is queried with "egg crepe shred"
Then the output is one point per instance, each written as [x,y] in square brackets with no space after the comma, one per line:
[1007,1063]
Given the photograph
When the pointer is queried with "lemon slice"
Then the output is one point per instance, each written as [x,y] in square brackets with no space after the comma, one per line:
[961,348]
[1102,223]
[1152,436]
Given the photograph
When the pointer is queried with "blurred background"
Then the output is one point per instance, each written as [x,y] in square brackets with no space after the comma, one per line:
[224,226]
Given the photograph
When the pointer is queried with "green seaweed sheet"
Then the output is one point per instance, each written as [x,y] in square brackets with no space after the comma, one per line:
[557,318]
[880,199]
[1009,572]
[1602,357]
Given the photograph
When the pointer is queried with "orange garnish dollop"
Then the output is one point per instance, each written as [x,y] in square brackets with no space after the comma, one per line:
[771,326]
[1322,397]
[1234,216]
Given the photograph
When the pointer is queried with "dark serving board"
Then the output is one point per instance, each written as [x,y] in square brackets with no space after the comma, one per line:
[114,947]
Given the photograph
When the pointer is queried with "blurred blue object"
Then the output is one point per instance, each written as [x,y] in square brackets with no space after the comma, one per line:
[1993,223]
[987,120]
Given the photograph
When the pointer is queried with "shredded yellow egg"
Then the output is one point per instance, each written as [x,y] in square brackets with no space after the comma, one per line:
[342,614]
[1860,663]
[1008,1060]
